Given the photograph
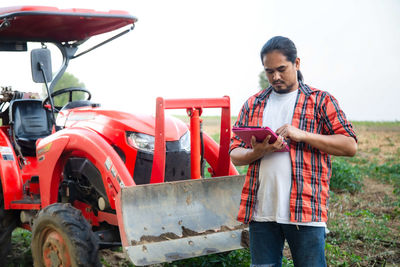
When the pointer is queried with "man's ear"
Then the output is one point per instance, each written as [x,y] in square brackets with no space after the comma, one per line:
[297,63]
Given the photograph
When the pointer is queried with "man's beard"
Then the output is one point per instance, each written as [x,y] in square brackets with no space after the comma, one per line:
[288,89]
[283,91]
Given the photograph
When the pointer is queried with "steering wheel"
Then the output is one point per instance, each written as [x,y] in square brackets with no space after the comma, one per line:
[69,90]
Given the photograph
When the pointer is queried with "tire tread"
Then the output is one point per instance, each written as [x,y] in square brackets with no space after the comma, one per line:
[84,244]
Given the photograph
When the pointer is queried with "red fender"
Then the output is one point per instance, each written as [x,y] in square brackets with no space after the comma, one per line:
[211,153]
[10,174]
[53,151]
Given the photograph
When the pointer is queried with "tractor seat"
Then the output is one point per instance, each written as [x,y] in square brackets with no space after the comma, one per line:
[30,121]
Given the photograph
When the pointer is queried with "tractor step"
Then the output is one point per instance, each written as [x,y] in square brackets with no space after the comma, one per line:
[26,204]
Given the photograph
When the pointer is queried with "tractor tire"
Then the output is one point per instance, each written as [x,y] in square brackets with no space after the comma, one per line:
[61,236]
[8,222]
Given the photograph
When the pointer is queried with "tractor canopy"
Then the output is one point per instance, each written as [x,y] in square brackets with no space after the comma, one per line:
[67,29]
[50,24]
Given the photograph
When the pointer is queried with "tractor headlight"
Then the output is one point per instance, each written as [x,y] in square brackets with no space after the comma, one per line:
[145,142]
[141,141]
[184,142]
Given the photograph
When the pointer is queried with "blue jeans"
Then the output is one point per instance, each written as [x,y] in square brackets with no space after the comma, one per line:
[307,244]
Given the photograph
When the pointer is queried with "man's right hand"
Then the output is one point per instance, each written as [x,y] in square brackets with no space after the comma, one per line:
[245,156]
[264,147]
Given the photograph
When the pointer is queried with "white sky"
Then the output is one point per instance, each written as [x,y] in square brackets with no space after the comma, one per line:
[209,48]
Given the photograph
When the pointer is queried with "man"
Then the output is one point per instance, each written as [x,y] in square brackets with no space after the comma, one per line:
[285,195]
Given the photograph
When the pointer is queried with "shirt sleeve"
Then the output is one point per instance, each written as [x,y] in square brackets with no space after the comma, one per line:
[236,141]
[335,119]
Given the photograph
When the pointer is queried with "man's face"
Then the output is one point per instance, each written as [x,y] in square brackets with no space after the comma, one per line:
[281,73]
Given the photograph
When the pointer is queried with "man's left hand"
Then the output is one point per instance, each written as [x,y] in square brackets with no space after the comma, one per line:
[288,131]
[334,144]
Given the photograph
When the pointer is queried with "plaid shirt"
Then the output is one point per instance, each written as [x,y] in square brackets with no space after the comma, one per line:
[316,112]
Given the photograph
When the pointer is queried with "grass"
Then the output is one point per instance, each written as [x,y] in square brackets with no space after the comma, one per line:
[364,217]
[365,201]
[345,176]
[239,258]
[21,241]
[376,124]
[361,237]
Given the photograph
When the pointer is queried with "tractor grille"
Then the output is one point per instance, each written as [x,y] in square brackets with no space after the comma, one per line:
[177,164]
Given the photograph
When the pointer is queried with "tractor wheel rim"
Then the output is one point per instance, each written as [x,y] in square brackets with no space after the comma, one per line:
[55,250]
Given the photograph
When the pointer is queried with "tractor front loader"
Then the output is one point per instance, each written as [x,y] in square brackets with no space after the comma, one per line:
[84,178]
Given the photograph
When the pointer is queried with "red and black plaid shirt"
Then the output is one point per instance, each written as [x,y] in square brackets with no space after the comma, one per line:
[316,112]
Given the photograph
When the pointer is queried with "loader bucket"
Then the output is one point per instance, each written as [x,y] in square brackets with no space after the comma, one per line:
[170,221]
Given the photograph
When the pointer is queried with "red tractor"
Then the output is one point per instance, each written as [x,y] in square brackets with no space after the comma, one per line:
[83,178]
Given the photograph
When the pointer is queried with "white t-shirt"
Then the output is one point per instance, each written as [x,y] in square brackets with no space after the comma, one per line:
[275,175]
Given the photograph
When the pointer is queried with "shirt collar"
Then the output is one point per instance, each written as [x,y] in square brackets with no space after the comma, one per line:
[305,89]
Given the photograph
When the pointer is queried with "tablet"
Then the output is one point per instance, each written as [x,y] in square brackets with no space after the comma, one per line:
[260,133]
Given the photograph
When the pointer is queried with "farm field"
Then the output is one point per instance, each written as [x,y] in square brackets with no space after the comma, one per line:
[364,219]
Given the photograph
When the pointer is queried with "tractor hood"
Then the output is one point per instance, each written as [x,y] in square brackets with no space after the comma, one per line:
[50,24]
[108,122]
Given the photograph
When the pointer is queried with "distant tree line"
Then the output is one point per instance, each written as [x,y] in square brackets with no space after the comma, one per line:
[262,80]
[66,81]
